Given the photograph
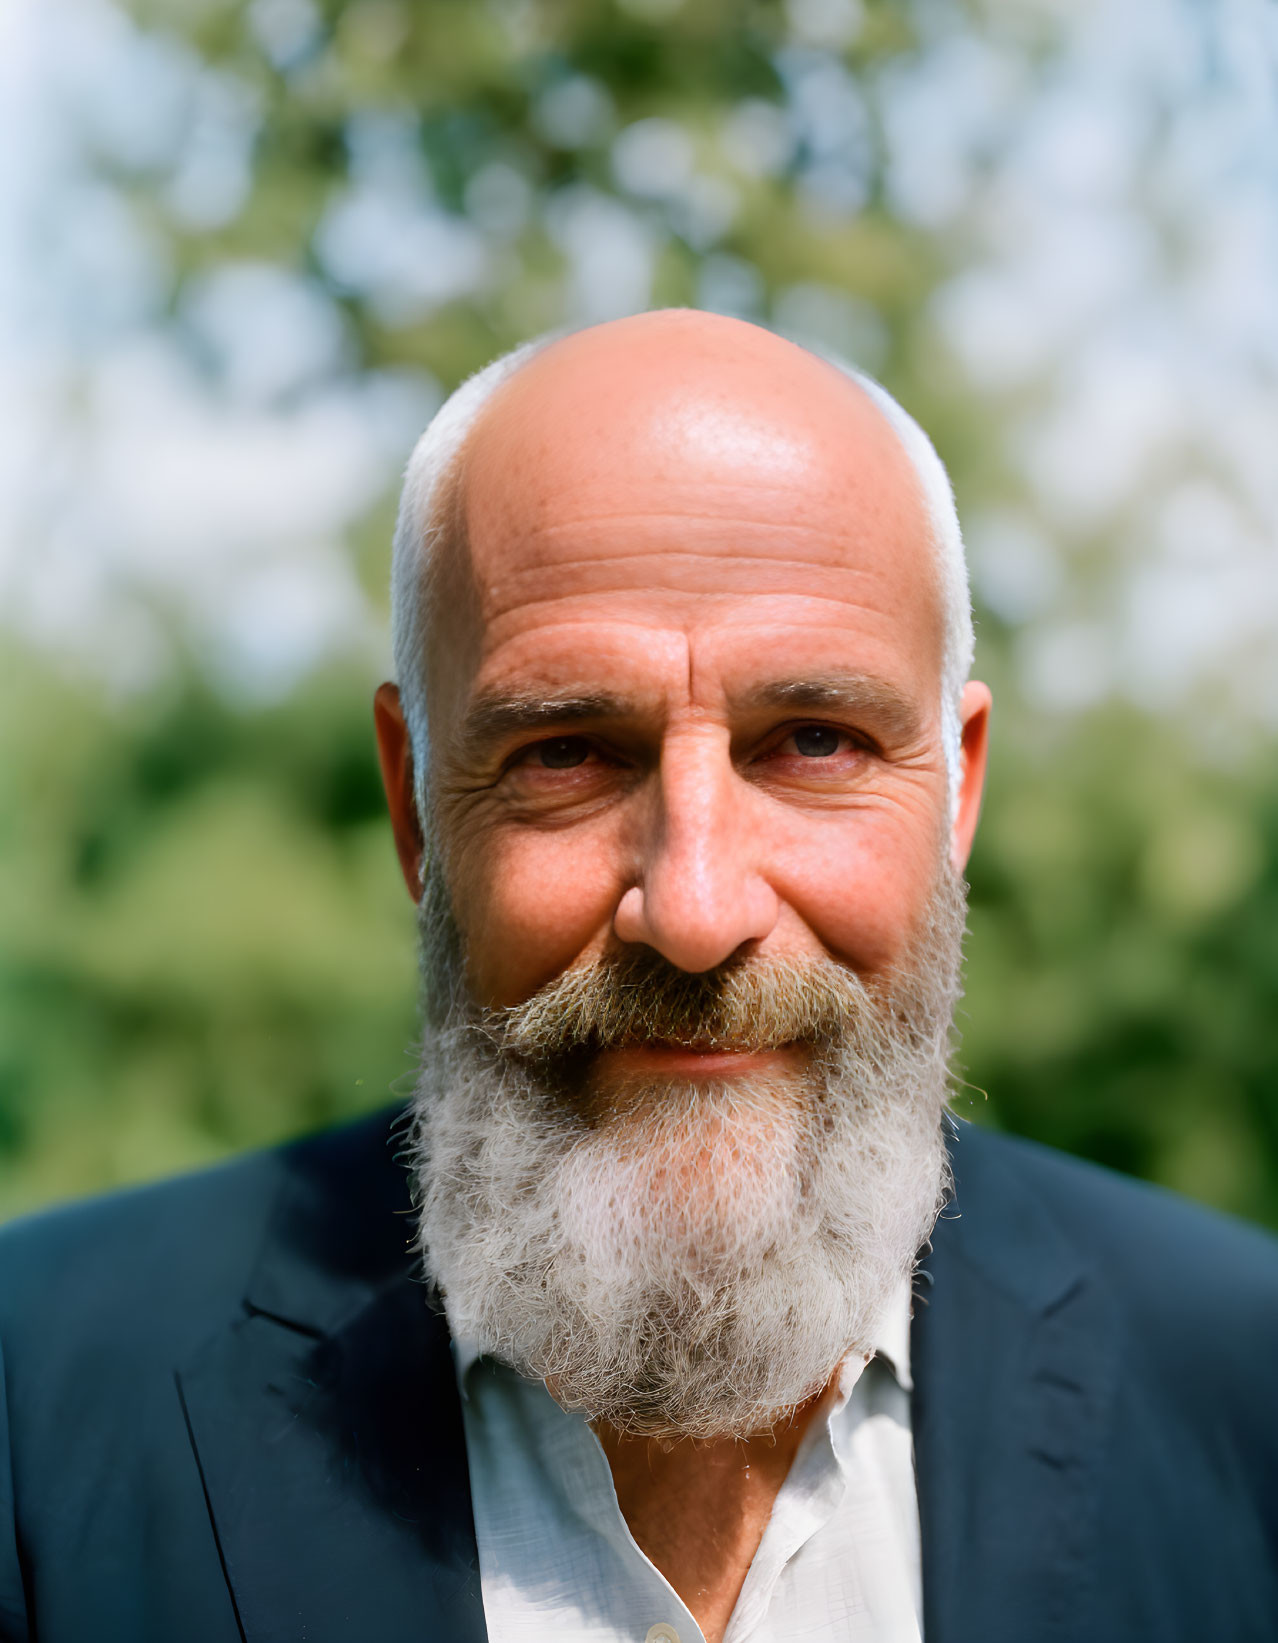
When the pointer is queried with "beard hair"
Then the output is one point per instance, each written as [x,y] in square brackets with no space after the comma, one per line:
[697,1259]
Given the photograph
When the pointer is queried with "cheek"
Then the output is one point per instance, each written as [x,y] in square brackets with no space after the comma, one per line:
[862,884]
[530,903]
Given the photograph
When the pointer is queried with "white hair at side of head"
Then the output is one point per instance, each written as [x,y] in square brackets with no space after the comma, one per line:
[417,530]
[951,564]
[419,526]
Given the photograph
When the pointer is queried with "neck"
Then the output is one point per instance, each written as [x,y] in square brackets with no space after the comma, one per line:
[698,1509]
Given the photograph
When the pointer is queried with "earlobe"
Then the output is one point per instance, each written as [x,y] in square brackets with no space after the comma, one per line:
[975,718]
[395,756]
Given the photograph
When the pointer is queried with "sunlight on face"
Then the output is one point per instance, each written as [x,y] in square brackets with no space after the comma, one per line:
[692,931]
[697,705]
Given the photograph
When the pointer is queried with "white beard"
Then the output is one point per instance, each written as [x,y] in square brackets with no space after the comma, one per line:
[699,1263]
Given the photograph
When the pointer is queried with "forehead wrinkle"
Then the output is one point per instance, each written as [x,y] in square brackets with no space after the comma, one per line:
[669,577]
[720,519]
[664,607]
[661,577]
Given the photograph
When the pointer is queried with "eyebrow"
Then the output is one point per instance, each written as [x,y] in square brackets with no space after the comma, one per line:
[493,717]
[858,694]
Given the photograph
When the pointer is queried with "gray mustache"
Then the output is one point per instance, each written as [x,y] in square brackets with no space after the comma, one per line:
[639,998]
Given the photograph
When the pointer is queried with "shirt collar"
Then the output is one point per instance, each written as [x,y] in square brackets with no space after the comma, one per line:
[892,1338]
[466,1354]
[891,1345]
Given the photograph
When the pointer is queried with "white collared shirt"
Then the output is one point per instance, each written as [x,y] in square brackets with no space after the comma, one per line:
[839,1558]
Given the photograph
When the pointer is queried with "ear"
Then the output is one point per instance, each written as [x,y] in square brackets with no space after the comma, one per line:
[395,755]
[974,714]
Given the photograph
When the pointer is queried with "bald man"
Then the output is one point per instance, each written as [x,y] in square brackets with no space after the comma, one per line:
[683,768]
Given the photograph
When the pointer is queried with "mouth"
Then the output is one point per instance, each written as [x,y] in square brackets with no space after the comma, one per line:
[664,1058]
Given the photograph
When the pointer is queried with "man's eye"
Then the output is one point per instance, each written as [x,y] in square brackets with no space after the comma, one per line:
[816,741]
[560,752]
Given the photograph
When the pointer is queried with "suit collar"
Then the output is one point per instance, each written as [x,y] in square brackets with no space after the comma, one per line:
[1015,1352]
[342,1225]
[1001,1228]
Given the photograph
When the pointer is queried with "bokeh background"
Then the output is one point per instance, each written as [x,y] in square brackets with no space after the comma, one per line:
[246,248]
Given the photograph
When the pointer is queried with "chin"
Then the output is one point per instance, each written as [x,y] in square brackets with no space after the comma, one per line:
[705,1100]
[695,1262]
[709,1169]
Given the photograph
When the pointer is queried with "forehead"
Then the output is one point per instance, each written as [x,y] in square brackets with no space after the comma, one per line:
[734,490]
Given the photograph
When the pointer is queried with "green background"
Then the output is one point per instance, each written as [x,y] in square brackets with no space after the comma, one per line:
[205,942]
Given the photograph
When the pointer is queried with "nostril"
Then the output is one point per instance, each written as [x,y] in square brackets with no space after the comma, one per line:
[689,930]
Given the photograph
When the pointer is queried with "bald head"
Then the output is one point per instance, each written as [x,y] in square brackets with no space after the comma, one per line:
[678,394]
[629,457]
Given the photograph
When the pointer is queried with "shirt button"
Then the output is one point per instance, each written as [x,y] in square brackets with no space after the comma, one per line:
[661,1633]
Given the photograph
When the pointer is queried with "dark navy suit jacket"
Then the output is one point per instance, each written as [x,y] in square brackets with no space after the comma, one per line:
[230,1415]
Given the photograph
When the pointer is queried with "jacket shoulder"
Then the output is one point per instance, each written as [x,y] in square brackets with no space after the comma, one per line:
[159,1266]
[112,1313]
[1188,1279]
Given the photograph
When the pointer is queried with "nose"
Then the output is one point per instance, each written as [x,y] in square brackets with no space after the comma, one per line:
[700,893]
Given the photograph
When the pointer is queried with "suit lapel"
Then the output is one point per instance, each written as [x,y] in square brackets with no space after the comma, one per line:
[1015,1355]
[327,1428]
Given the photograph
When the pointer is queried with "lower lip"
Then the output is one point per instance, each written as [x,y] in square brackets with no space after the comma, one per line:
[676,1060]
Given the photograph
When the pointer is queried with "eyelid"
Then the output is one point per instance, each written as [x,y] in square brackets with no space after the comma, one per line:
[525,748]
[519,755]
[859,738]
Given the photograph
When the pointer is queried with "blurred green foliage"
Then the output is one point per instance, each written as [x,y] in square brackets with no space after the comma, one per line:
[206,944]
[1122,981]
